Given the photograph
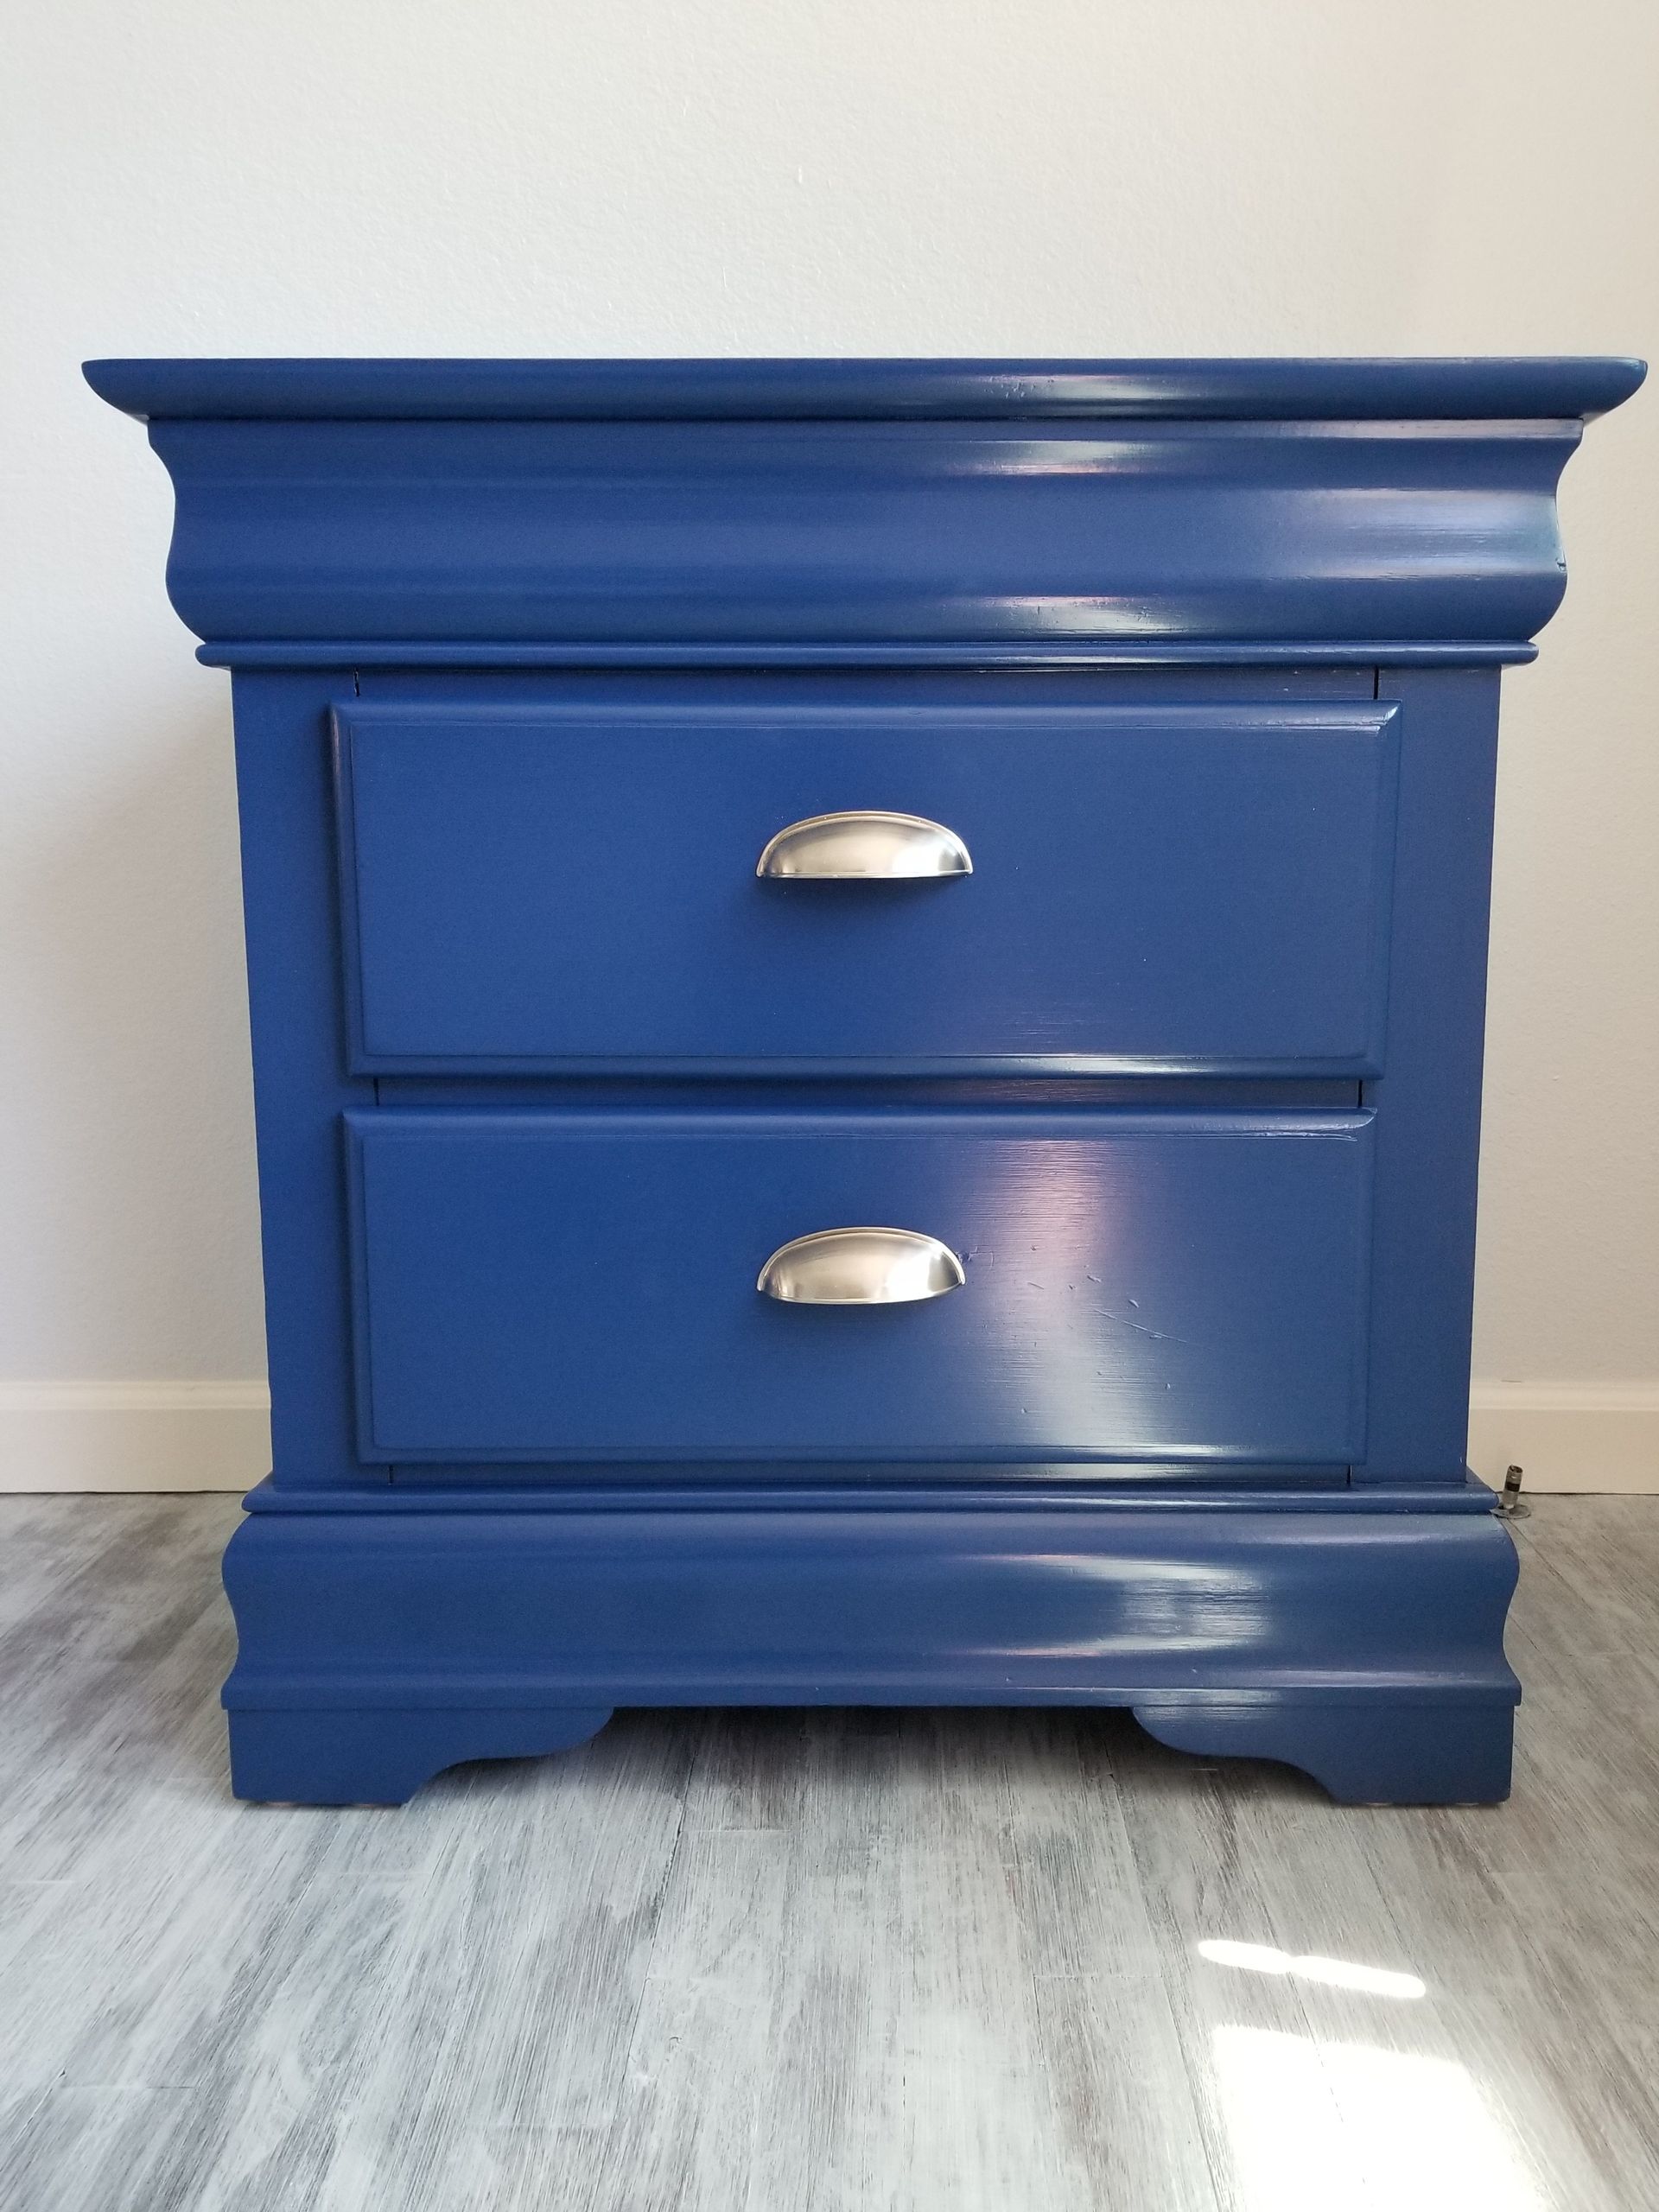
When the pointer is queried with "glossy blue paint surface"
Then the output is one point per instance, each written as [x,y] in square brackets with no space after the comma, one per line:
[1427,1096]
[1183,1286]
[701,391]
[1189,1069]
[834,532]
[1152,887]
[302,1083]
[1366,1646]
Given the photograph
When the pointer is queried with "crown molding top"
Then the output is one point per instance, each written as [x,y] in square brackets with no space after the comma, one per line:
[1365,510]
[1575,387]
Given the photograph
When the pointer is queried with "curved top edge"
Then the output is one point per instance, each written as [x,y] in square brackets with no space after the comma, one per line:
[1461,389]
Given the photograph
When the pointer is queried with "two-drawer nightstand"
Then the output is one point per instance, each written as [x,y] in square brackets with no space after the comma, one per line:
[866,985]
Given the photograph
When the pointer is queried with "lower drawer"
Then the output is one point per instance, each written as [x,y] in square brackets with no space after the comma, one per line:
[547,1286]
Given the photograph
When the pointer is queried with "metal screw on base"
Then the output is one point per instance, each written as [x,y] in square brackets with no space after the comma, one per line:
[1510,1504]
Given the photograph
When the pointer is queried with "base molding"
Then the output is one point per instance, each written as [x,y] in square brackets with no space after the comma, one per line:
[1393,1752]
[376,1756]
[378,1647]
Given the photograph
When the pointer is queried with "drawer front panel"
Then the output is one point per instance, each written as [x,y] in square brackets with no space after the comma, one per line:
[1153,888]
[1138,1286]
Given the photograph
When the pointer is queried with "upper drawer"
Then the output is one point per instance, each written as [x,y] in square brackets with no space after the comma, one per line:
[1152,888]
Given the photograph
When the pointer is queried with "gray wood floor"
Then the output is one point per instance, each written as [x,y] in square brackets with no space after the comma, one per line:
[839,1960]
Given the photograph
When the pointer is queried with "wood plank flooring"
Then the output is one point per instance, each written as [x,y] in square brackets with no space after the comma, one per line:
[811,1962]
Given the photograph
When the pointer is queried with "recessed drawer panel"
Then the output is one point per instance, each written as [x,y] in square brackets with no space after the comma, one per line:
[1081,1286]
[1132,888]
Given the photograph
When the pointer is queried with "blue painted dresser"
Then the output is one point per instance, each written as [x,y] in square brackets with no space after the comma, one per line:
[866,985]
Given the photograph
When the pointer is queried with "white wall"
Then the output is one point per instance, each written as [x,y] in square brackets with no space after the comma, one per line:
[910,176]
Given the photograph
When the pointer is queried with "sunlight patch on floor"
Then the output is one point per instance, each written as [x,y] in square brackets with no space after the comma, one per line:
[1321,2127]
[1338,1973]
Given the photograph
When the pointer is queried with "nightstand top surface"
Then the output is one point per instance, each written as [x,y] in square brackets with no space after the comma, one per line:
[1464,389]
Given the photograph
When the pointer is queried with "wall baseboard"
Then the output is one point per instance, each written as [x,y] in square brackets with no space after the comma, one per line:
[176,1436]
[133,1436]
[1567,1436]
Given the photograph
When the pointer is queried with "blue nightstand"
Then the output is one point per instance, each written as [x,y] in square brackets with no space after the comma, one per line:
[866,985]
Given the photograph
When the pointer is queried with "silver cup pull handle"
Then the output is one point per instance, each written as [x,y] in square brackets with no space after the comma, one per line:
[869,846]
[860,1266]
